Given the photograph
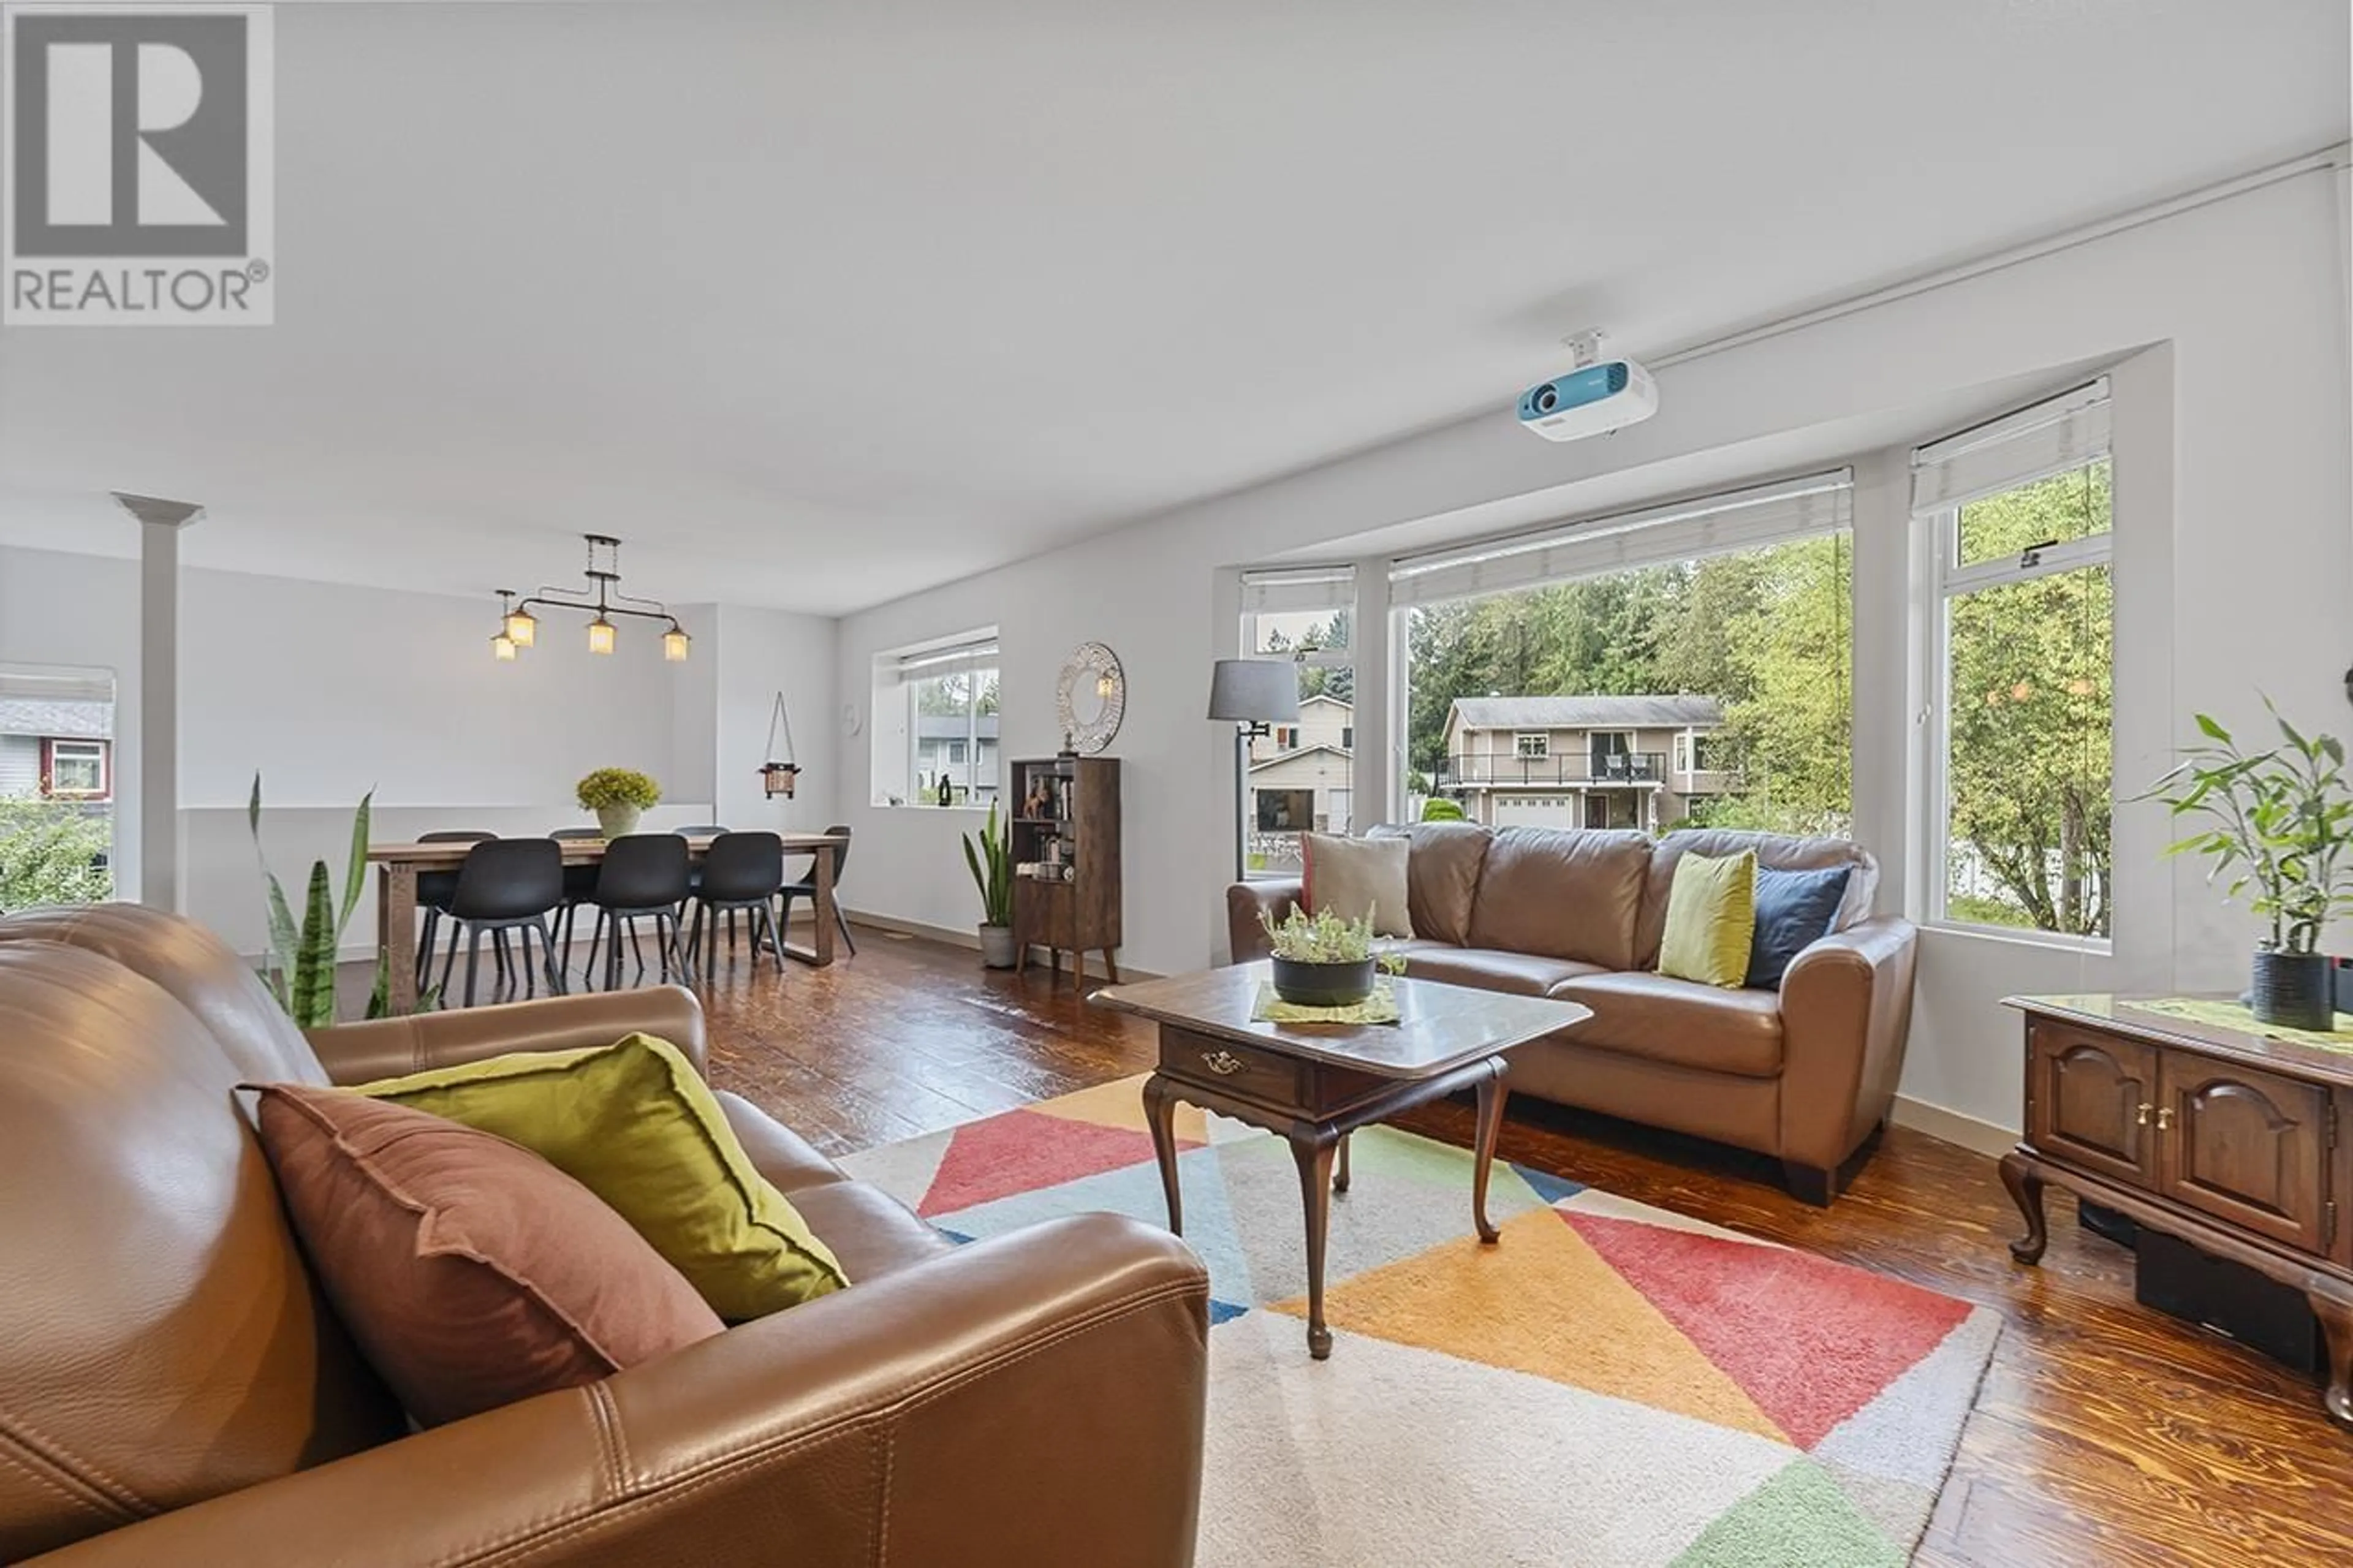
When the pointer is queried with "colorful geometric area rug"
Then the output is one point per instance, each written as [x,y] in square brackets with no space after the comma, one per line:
[1612,1386]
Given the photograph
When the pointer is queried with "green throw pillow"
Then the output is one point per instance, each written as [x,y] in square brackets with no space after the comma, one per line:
[1711,920]
[634,1123]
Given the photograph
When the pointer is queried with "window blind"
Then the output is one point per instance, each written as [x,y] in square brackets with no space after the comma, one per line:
[20,684]
[1682,531]
[2050,437]
[958,657]
[1274,591]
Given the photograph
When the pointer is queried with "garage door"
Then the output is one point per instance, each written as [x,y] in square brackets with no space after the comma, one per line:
[1535,811]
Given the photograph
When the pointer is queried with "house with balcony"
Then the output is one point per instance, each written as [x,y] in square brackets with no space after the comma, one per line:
[1640,762]
[1301,780]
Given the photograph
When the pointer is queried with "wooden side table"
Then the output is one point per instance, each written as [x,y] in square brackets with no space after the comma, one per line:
[2222,1138]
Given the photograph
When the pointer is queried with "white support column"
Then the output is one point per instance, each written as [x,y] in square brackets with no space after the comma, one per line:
[159,693]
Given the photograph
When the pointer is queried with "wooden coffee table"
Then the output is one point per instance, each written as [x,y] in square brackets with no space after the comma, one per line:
[1316,1083]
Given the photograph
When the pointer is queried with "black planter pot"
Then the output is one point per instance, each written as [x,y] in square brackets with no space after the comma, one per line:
[2295,990]
[1322,984]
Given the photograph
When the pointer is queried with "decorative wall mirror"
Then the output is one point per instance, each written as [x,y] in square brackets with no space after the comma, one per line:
[1091,698]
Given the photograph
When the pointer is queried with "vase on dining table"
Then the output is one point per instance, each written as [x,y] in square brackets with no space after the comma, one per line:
[618,821]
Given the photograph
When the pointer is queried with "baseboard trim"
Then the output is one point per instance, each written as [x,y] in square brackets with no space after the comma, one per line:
[970,939]
[1952,1126]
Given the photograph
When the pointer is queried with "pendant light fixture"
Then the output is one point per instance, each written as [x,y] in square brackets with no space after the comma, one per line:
[602,599]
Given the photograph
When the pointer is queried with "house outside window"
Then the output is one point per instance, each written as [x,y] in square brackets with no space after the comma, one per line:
[1300,777]
[57,785]
[936,721]
[1745,600]
[2018,518]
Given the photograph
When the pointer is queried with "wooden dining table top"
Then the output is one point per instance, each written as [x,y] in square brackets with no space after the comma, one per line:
[576,851]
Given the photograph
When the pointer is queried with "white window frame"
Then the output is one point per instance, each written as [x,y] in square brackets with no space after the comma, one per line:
[1286,591]
[1948,581]
[92,750]
[1543,752]
[898,745]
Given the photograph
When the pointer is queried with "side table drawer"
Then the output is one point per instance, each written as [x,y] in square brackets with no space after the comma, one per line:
[1233,1067]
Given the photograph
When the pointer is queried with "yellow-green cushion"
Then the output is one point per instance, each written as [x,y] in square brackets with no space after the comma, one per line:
[635,1124]
[1711,920]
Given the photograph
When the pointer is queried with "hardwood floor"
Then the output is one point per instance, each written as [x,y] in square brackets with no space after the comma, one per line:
[2104,1434]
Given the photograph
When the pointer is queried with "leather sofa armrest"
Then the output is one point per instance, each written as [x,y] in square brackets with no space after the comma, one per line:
[1275,897]
[1846,1010]
[387,1048]
[1034,1400]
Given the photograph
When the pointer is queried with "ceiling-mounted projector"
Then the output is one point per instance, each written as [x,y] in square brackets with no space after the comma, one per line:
[1597,397]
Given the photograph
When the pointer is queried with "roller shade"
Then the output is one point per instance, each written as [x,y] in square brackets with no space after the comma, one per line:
[2050,438]
[1271,591]
[20,684]
[1684,531]
[960,657]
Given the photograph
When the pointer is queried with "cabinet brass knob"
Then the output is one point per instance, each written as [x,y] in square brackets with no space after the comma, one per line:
[2142,1119]
[2165,1119]
[1223,1063]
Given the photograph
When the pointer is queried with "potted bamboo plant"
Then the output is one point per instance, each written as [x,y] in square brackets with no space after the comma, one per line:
[2282,822]
[991,862]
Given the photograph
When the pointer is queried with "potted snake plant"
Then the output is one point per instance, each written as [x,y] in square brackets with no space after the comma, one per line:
[991,863]
[2281,824]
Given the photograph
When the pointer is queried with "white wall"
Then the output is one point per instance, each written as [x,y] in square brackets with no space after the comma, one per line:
[762,652]
[331,691]
[2234,564]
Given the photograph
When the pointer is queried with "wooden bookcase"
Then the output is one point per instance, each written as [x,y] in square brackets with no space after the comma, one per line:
[1066,885]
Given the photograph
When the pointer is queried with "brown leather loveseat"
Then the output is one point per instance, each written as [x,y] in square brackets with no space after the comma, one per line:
[1806,1073]
[175,1391]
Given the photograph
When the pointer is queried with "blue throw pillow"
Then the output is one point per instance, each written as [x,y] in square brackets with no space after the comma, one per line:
[1794,909]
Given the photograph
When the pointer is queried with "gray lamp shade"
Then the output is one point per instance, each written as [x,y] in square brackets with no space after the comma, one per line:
[1254,690]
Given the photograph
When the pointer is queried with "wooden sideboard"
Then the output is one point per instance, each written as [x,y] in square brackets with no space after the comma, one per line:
[2227,1140]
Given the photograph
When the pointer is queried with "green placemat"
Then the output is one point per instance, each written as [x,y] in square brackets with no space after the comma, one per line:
[1380,1008]
[2230,1015]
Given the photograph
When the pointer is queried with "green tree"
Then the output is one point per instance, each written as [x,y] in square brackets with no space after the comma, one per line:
[1789,706]
[52,854]
[2031,772]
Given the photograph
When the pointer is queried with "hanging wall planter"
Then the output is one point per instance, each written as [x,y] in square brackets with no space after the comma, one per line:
[777,777]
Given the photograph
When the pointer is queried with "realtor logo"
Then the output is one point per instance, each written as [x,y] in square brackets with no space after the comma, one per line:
[138,167]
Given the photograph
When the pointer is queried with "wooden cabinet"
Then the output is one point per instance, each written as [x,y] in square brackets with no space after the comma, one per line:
[2226,1139]
[2245,1146]
[2092,1098]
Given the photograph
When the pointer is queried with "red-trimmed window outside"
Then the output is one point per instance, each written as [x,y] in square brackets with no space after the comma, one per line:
[77,770]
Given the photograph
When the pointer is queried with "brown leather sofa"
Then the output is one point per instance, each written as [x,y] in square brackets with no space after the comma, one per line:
[173,1390]
[1806,1073]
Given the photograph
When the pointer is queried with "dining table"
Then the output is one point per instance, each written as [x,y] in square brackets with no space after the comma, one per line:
[397,866]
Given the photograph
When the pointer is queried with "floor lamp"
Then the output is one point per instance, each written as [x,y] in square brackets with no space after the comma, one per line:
[1252,694]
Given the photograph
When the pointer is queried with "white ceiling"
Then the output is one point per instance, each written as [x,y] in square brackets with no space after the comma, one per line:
[820,304]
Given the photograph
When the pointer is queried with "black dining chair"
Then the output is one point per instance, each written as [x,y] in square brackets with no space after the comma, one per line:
[742,872]
[579,882]
[434,891]
[806,887]
[643,876]
[507,885]
[694,871]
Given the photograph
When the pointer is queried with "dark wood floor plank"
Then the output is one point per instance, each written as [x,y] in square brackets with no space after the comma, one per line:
[2106,1434]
